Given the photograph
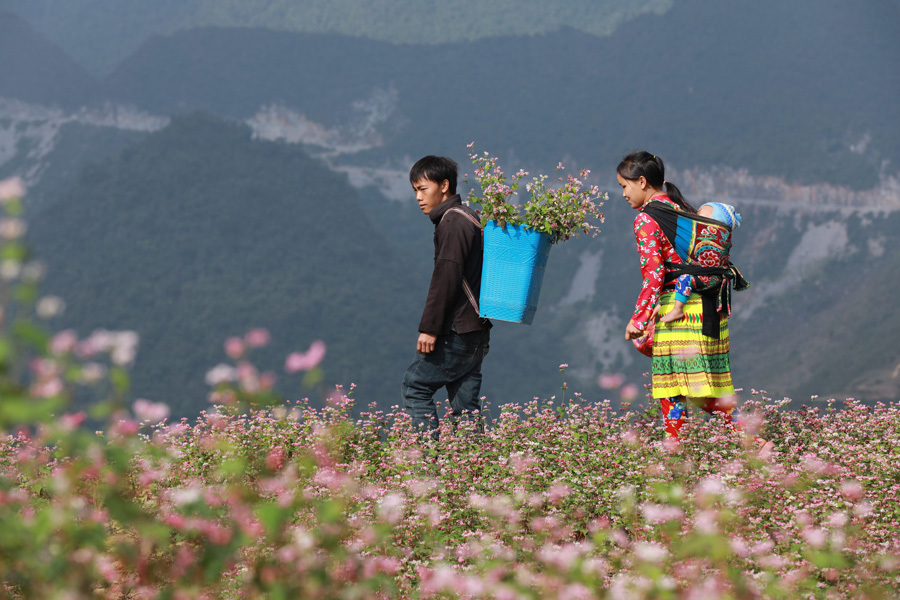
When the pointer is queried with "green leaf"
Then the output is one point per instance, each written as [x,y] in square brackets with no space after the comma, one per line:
[274,517]
[120,380]
[32,334]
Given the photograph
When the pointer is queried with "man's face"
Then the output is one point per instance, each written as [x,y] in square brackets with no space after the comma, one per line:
[430,193]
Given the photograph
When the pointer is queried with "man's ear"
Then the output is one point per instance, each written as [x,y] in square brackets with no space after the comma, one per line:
[445,186]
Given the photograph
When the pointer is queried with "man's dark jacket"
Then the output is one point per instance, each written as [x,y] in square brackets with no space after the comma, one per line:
[458,251]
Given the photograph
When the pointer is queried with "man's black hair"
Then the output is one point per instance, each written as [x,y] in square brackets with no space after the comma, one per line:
[436,169]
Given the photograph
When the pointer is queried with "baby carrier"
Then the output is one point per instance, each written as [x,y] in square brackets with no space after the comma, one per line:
[704,246]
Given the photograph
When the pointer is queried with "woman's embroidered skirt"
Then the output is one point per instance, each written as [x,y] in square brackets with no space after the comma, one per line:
[686,362]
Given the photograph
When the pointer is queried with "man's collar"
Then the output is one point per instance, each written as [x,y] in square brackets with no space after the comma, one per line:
[438,211]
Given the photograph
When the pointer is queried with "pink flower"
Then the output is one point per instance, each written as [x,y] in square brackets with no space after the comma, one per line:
[611,381]
[557,492]
[814,536]
[93,372]
[47,389]
[72,421]
[234,347]
[306,361]
[661,513]
[12,229]
[276,459]
[11,188]
[150,412]
[391,508]
[63,342]
[629,391]
[257,338]
[852,490]
[125,427]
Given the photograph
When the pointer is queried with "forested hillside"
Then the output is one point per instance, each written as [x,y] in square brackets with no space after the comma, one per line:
[200,233]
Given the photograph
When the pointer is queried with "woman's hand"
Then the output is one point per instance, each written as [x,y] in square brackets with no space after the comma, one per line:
[632,332]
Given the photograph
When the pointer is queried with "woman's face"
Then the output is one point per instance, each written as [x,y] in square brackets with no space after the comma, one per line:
[635,191]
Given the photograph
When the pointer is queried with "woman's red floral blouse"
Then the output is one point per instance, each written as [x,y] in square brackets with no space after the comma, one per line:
[654,249]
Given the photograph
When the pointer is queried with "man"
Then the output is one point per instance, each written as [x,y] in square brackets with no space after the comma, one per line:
[453,339]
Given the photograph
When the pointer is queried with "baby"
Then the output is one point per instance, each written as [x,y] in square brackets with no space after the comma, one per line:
[684,285]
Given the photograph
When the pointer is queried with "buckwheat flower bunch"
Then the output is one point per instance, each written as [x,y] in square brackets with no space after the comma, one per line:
[495,199]
[563,211]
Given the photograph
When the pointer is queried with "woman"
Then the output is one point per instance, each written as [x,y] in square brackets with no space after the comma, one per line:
[686,363]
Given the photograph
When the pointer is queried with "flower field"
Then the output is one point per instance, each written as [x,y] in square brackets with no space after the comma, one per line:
[263,497]
[572,501]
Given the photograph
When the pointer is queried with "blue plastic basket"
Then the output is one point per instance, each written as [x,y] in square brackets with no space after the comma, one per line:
[514,262]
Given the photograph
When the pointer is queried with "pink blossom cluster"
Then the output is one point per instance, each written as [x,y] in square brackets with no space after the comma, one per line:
[552,500]
[562,212]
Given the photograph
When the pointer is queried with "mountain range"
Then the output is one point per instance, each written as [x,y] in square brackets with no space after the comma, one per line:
[102,33]
[224,178]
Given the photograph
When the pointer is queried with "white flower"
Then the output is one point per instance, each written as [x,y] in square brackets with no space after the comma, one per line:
[650,552]
[221,373]
[124,347]
[10,269]
[49,307]
[12,229]
[182,496]
[391,507]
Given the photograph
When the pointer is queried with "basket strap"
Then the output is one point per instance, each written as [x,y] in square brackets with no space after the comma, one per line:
[466,288]
[468,216]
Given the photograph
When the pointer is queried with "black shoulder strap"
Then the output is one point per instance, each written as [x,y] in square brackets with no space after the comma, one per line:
[665,216]
[466,288]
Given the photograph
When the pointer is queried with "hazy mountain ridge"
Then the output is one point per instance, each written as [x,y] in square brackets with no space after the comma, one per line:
[717,98]
[36,70]
[709,95]
[101,33]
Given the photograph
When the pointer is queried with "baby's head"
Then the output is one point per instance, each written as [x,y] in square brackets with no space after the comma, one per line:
[721,212]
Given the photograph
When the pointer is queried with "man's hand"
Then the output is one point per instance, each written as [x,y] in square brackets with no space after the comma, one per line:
[426,343]
[632,332]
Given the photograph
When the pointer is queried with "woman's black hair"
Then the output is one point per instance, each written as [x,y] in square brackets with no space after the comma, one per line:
[642,163]
[436,169]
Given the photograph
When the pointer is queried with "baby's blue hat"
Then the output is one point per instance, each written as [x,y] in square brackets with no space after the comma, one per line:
[726,214]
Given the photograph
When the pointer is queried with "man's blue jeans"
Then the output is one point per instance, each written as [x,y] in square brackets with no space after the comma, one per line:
[455,364]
